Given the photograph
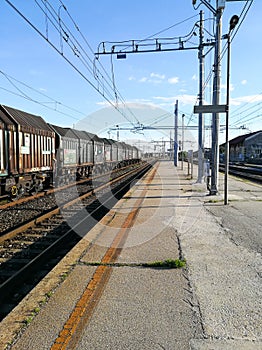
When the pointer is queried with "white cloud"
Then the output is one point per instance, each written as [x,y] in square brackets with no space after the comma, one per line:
[154,78]
[244,82]
[143,80]
[173,80]
[194,77]
[131,78]
[184,99]
[158,76]
[105,103]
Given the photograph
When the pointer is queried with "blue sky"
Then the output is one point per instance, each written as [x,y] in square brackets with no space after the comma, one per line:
[36,78]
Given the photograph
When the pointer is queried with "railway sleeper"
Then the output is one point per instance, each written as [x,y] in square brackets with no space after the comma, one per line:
[28,237]
[23,242]
[13,245]
[7,254]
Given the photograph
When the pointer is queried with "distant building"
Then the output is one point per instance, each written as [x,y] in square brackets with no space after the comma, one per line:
[244,148]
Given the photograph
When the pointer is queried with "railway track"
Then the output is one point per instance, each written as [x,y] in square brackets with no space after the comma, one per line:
[247,171]
[27,208]
[31,250]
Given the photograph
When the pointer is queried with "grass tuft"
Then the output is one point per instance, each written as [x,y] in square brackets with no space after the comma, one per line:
[167,264]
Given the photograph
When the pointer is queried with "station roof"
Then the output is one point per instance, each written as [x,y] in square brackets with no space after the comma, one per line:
[239,140]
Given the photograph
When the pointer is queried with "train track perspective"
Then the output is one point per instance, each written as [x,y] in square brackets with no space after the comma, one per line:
[32,247]
[252,172]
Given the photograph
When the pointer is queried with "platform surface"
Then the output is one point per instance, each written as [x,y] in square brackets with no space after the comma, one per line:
[213,303]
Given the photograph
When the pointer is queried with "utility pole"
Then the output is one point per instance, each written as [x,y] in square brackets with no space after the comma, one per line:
[216,96]
[201,120]
[175,133]
[182,143]
[117,132]
[161,45]
[233,22]
[171,146]
[220,4]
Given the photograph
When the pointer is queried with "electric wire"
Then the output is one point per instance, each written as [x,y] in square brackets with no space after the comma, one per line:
[37,102]
[152,35]
[52,100]
[245,104]
[224,49]
[115,93]
[67,34]
[57,24]
[107,98]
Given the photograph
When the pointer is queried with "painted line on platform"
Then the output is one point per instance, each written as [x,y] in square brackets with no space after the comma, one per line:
[85,307]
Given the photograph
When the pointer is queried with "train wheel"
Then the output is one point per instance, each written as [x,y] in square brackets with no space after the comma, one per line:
[13,192]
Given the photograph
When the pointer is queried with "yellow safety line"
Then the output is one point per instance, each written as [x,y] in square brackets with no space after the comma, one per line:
[90,297]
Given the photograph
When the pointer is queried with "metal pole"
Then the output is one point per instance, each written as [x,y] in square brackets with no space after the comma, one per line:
[170,146]
[227,122]
[182,143]
[175,133]
[233,22]
[215,116]
[117,133]
[201,122]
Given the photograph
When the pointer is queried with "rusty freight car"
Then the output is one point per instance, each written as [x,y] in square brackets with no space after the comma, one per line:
[26,150]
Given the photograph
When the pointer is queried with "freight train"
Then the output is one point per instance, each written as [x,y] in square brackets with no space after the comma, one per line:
[35,154]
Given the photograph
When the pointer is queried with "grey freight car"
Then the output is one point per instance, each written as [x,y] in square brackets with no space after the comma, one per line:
[66,154]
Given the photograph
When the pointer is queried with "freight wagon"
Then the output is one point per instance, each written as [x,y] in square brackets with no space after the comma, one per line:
[26,149]
[34,154]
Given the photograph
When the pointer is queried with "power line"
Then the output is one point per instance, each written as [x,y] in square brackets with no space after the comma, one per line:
[74,48]
[224,49]
[91,66]
[37,102]
[242,120]
[153,35]
[24,95]
[253,98]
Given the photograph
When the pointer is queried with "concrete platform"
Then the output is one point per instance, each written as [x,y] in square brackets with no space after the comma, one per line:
[213,303]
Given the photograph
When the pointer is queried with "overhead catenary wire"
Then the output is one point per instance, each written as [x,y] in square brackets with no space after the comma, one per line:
[152,35]
[108,98]
[111,94]
[37,102]
[224,49]
[104,81]
[111,80]
[244,120]
[74,44]
[239,109]
[26,96]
